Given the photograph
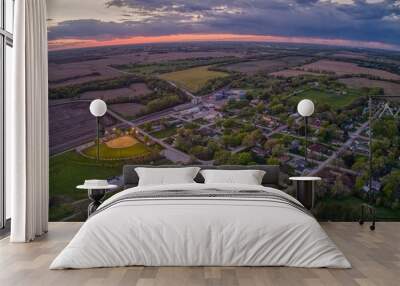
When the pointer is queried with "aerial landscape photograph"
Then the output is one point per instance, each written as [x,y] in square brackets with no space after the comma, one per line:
[218,82]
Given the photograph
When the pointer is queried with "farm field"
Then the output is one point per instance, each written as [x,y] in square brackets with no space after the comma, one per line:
[80,72]
[255,66]
[71,124]
[390,88]
[350,55]
[154,69]
[336,100]
[160,57]
[107,94]
[193,79]
[135,89]
[293,73]
[108,153]
[72,70]
[127,109]
[342,68]
[252,67]
[140,89]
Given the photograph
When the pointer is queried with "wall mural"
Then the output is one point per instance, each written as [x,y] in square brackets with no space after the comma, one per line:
[218,82]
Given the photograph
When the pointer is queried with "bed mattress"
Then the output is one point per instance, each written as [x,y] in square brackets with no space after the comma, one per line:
[201,225]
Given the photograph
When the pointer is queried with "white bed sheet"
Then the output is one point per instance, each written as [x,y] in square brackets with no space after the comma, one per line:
[200,232]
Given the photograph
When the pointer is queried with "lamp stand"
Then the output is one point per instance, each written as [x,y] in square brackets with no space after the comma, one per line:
[98,138]
[306,137]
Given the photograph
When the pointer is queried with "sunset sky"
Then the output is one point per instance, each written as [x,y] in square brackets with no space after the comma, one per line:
[356,23]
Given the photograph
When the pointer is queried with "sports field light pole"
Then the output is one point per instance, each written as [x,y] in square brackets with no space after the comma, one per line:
[98,108]
[305,108]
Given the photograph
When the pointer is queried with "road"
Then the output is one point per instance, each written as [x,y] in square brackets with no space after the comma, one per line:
[160,114]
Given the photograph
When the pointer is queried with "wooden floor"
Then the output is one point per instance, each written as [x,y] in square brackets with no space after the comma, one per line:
[375,257]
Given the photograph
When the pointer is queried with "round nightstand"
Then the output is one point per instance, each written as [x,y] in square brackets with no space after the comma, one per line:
[305,190]
[96,194]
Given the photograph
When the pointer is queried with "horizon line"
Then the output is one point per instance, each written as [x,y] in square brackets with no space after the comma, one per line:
[75,43]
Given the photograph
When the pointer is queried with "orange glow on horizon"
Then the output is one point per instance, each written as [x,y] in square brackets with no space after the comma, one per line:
[63,44]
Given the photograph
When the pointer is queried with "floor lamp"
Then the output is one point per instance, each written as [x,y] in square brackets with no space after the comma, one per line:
[305,108]
[98,108]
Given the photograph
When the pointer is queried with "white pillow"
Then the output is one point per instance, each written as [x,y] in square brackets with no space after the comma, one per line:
[247,177]
[166,176]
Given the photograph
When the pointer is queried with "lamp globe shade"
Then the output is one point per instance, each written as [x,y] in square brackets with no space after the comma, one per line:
[98,107]
[305,107]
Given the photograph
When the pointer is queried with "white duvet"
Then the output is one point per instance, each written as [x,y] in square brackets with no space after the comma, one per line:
[202,232]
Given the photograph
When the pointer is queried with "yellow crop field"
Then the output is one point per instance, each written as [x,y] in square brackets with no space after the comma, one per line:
[193,79]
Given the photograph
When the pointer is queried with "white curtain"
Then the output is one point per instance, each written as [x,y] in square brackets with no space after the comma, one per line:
[27,124]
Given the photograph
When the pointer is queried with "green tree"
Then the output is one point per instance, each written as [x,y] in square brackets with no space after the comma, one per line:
[328,134]
[260,107]
[391,183]
[360,165]
[269,145]
[200,152]
[386,128]
[222,157]
[212,147]
[278,150]
[232,140]
[339,189]
[278,108]
[243,158]
[147,126]
[229,123]
[360,182]
[251,139]
[272,161]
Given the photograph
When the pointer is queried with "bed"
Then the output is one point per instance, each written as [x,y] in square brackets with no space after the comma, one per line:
[197,224]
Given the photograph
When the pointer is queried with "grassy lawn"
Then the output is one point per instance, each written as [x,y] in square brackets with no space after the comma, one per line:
[165,132]
[329,97]
[349,208]
[69,170]
[193,79]
[106,152]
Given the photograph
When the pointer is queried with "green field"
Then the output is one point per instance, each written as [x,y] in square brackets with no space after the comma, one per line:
[170,66]
[107,153]
[193,79]
[328,97]
[69,170]
[165,132]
